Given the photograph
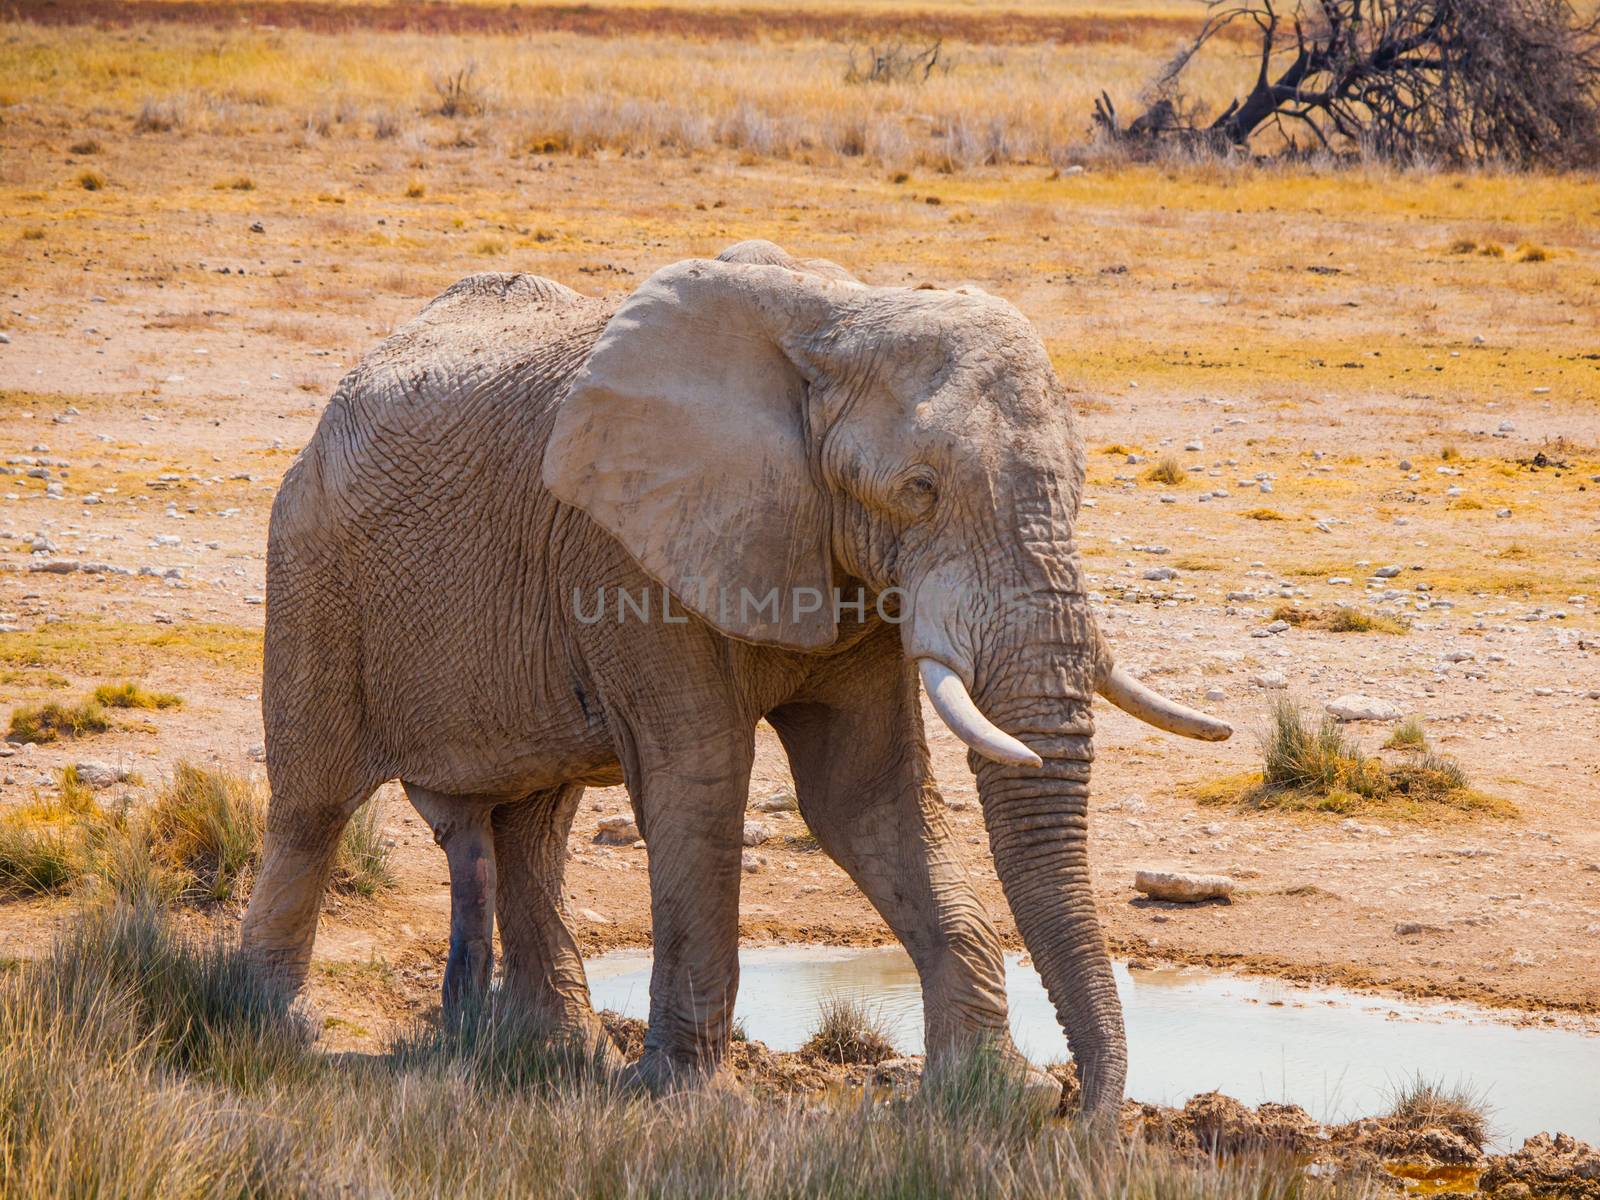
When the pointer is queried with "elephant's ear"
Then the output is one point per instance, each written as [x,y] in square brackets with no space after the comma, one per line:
[684,436]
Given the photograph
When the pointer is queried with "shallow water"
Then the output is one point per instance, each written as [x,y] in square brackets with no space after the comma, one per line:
[1338,1054]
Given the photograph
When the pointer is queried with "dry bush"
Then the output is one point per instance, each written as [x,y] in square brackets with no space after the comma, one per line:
[1169,470]
[895,64]
[459,92]
[1455,81]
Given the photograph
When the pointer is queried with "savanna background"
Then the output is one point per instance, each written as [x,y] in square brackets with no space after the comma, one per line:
[1295,367]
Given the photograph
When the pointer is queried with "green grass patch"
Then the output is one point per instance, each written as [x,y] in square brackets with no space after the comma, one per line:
[133,695]
[1313,765]
[44,723]
[1408,735]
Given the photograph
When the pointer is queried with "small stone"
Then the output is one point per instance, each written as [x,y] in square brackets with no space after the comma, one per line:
[594,918]
[1277,626]
[1181,887]
[617,830]
[1216,693]
[756,833]
[778,802]
[1354,707]
[1405,464]
[1271,680]
[96,774]
[1160,574]
[1409,928]
[1386,572]
[752,862]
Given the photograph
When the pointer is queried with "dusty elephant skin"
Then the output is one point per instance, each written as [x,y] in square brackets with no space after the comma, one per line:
[467,570]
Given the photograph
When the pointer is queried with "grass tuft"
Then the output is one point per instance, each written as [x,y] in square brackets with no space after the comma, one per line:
[209,826]
[1408,735]
[1530,253]
[133,695]
[1168,470]
[47,722]
[91,181]
[85,148]
[1424,1104]
[362,866]
[1339,620]
[848,1031]
[1263,514]
[1314,766]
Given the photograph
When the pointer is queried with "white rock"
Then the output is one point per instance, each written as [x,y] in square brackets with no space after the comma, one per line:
[594,918]
[1269,679]
[617,830]
[1354,707]
[778,802]
[1386,572]
[752,862]
[755,833]
[96,774]
[1160,574]
[1216,693]
[1182,887]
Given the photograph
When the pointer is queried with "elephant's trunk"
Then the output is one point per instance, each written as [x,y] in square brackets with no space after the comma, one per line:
[1038,831]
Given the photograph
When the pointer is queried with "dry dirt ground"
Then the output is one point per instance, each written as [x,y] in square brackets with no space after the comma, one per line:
[172,337]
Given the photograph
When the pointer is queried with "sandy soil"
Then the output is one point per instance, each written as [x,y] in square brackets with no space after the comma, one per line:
[173,340]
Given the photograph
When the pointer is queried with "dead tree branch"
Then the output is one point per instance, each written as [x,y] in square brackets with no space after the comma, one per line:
[1515,81]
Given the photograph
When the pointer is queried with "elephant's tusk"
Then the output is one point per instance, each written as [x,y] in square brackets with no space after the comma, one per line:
[961,716]
[1132,697]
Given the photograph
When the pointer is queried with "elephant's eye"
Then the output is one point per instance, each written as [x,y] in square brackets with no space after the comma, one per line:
[921,488]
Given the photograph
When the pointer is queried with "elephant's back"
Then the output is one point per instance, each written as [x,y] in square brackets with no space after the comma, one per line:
[465,389]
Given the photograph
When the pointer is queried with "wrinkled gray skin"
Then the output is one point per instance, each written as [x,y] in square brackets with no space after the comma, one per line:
[752,421]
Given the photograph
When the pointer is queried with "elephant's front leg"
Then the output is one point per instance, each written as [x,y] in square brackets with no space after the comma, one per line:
[860,764]
[691,807]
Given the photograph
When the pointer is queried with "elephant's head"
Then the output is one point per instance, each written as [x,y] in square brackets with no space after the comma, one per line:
[755,424]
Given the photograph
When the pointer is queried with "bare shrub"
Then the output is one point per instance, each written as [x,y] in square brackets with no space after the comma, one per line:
[1452,81]
[460,94]
[895,64]
[159,116]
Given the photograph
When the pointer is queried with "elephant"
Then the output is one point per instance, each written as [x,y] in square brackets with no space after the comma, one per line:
[541,541]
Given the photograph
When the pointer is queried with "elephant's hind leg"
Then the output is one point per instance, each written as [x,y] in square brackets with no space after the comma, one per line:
[544,973]
[462,828]
[302,841]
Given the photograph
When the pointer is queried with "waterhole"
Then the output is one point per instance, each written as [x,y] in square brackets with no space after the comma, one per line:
[1338,1054]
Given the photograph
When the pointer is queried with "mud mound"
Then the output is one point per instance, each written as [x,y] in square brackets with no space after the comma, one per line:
[1546,1166]
[1212,1123]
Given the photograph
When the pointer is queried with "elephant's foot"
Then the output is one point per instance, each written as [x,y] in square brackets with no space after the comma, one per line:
[658,1073]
